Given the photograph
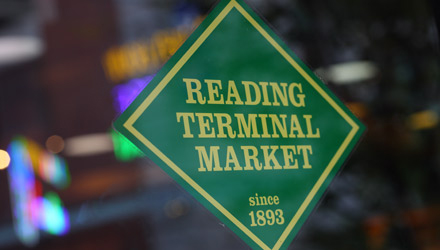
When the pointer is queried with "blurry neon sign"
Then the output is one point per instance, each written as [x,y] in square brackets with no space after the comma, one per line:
[145,56]
[123,148]
[32,209]
[123,95]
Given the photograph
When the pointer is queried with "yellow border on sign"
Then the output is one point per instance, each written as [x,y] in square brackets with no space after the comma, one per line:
[145,104]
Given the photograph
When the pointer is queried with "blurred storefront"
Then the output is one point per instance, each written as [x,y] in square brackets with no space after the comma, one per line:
[69,68]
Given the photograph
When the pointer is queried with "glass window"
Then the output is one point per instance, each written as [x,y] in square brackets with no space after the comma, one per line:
[69,68]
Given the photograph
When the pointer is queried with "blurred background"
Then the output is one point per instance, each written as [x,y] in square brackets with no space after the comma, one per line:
[69,67]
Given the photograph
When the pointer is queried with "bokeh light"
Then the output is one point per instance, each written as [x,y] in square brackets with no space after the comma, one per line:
[5,159]
[55,144]
[34,209]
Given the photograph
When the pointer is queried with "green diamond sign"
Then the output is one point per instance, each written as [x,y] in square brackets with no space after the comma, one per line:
[244,126]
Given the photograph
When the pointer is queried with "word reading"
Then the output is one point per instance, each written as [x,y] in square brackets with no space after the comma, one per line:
[254,93]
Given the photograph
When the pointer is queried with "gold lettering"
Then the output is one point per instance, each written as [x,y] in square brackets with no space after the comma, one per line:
[310,134]
[249,101]
[224,122]
[186,126]
[288,157]
[277,124]
[233,93]
[270,157]
[251,125]
[295,126]
[208,161]
[248,157]
[213,91]
[263,118]
[300,102]
[196,90]
[231,157]
[304,150]
[266,101]
[281,94]
[204,125]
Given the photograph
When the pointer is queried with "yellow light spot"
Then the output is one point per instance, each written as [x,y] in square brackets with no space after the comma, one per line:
[4,159]
[423,120]
[358,109]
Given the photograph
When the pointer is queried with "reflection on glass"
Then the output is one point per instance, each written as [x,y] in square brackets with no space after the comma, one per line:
[5,159]
[33,210]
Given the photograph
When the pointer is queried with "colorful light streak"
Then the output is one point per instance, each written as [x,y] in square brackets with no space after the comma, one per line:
[22,183]
[55,171]
[124,149]
[55,218]
[33,210]
[123,95]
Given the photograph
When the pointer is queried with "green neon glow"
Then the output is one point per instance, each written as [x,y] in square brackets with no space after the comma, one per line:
[124,150]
